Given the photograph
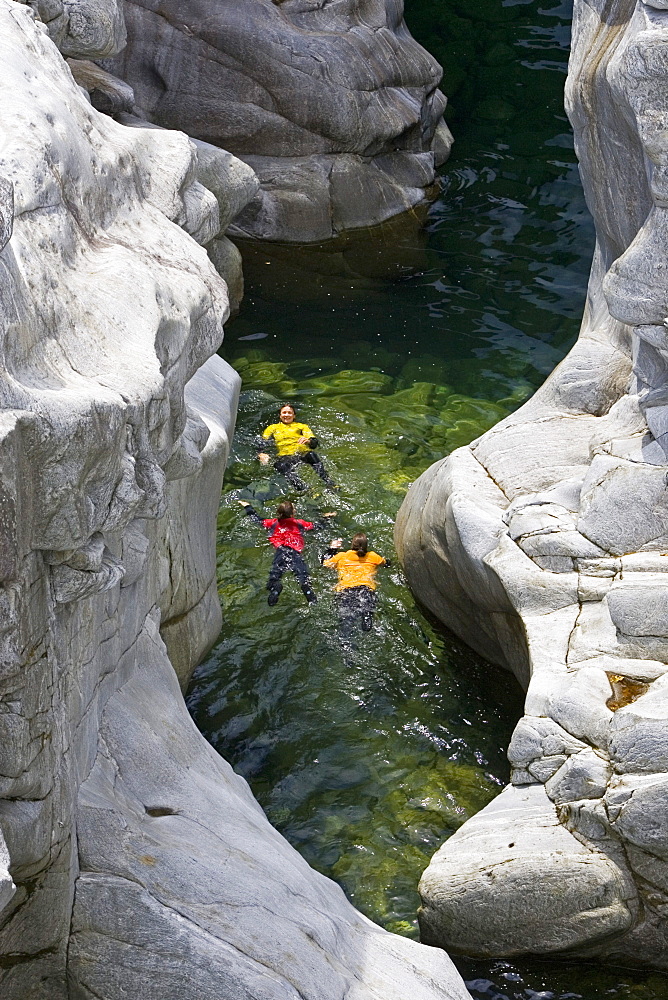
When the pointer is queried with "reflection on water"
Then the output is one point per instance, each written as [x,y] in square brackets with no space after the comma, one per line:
[540,980]
[401,344]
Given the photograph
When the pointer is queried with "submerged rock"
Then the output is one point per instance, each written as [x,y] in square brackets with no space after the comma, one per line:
[543,544]
[335,106]
[132,859]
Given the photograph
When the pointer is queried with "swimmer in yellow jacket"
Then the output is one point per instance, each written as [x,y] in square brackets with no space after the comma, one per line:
[295,444]
[356,587]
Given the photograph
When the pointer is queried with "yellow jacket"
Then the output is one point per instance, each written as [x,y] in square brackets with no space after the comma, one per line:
[286,437]
[355,570]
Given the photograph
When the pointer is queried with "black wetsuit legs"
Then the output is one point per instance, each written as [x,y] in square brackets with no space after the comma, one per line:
[287,466]
[311,458]
[356,606]
[288,560]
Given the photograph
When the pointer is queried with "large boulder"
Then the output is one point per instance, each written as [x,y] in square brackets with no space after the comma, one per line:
[83,28]
[543,544]
[335,106]
[133,861]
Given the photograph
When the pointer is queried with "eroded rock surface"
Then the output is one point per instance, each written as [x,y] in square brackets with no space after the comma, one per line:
[335,106]
[544,545]
[133,861]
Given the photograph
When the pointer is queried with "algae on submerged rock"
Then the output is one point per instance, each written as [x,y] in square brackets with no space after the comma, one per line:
[362,762]
[397,426]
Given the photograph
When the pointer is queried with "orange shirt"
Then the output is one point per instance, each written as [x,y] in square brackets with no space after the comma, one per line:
[355,571]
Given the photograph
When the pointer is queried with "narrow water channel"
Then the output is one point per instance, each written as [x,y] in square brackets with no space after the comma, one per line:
[399,345]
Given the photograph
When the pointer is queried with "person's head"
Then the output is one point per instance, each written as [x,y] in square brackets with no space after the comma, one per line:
[360,543]
[285,509]
[286,413]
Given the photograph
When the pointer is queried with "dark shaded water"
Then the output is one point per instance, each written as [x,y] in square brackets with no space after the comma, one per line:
[400,345]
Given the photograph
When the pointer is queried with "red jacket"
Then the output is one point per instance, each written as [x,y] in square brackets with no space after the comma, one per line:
[287,532]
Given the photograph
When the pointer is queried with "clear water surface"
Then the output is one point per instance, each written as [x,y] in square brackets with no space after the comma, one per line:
[399,345]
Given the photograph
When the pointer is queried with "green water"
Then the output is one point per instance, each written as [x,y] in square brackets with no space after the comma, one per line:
[399,345]
[364,762]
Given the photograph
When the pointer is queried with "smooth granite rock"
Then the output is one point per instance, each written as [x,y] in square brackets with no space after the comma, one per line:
[502,866]
[107,93]
[133,861]
[83,29]
[334,106]
[544,544]
[233,183]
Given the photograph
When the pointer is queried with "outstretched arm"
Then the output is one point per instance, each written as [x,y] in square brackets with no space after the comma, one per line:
[320,523]
[251,512]
[324,520]
[334,546]
[261,440]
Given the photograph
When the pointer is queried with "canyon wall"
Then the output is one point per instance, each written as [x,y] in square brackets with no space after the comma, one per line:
[335,106]
[544,545]
[133,861]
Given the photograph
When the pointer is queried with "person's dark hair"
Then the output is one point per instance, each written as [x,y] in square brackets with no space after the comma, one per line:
[360,543]
[291,405]
[285,509]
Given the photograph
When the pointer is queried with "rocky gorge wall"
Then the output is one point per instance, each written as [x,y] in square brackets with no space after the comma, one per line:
[133,861]
[335,106]
[543,544]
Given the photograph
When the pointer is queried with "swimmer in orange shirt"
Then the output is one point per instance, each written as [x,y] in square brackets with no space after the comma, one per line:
[356,587]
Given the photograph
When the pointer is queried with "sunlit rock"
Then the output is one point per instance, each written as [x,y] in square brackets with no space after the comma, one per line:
[233,184]
[335,106]
[543,544]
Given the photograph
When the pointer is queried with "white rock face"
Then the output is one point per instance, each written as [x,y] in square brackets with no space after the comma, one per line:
[133,861]
[544,544]
[233,183]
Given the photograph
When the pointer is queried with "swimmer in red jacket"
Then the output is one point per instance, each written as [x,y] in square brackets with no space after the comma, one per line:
[286,535]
